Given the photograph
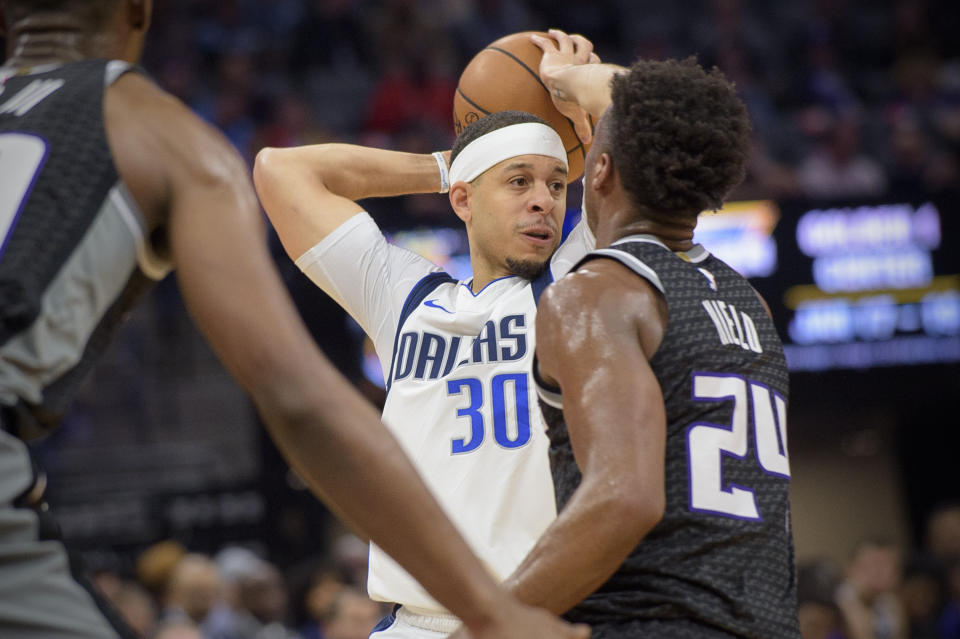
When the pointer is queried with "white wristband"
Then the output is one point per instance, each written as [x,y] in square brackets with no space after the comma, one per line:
[444,172]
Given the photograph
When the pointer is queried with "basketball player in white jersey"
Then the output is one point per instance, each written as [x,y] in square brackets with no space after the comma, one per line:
[456,355]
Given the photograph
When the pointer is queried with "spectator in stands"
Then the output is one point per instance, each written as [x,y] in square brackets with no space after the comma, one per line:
[194,588]
[949,624]
[155,565]
[136,606]
[943,532]
[922,593]
[867,599]
[817,582]
[838,168]
[178,629]
[352,615]
[263,596]
[318,601]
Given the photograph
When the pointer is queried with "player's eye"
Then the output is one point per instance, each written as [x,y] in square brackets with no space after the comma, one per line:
[519,180]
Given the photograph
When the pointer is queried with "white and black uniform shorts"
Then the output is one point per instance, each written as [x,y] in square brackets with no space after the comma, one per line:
[403,624]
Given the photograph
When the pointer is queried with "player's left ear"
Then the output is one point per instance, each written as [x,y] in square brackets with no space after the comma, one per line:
[460,201]
[602,173]
[139,13]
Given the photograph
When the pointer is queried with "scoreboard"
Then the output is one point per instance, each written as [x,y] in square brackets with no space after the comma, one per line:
[851,285]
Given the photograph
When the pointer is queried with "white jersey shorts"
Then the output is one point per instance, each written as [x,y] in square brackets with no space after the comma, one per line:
[403,624]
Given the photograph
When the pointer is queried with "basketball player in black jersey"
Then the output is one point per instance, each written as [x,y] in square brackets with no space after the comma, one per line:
[106,182]
[662,379]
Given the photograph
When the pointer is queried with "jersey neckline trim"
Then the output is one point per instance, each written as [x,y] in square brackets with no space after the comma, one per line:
[477,294]
[695,255]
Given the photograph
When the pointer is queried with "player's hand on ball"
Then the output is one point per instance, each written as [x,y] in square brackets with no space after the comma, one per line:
[561,52]
[524,622]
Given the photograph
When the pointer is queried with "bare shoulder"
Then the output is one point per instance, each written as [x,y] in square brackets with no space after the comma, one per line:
[144,120]
[602,299]
[599,284]
[161,147]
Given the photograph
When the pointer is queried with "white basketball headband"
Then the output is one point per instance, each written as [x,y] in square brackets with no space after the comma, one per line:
[528,138]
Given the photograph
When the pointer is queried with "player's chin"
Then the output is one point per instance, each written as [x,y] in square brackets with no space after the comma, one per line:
[527,267]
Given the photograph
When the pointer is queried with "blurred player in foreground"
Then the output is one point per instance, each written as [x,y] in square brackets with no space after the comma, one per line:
[106,183]
[662,379]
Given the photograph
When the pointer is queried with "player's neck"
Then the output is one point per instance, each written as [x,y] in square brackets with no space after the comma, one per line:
[675,235]
[482,277]
[57,45]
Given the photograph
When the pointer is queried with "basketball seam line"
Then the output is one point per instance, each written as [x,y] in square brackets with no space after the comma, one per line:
[536,76]
[472,103]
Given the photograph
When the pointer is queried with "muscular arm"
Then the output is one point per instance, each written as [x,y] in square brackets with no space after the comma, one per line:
[309,191]
[596,330]
[325,429]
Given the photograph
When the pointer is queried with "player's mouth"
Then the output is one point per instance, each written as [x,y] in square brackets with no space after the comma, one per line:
[538,235]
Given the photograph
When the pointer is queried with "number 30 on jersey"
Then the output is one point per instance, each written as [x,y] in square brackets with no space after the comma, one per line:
[501,388]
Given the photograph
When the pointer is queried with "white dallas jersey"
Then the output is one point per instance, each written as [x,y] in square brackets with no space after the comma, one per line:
[461,400]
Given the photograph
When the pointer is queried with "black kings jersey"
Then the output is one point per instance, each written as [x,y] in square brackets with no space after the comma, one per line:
[74,254]
[720,563]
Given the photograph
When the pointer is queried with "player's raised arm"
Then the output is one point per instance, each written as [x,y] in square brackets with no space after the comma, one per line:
[326,430]
[617,429]
[309,191]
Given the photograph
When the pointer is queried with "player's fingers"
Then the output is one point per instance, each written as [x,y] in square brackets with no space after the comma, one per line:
[584,128]
[582,631]
[546,45]
[564,42]
[582,47]
[594,58]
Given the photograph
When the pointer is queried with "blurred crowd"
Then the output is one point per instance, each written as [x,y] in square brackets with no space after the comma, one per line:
[881,591]
[236,593]
[849,99]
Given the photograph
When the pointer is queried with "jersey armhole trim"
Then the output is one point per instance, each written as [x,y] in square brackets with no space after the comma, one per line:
[427,284]
[550,394]
[115,69]
[152,265]
[628,260]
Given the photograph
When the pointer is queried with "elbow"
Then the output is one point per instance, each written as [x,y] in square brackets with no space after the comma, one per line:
[267,167]
[277,170]
[287,412]
[639,510]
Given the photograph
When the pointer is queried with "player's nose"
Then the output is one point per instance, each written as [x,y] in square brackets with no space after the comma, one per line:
[541,199]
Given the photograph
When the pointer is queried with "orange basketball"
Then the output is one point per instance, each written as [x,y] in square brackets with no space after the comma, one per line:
[504,77]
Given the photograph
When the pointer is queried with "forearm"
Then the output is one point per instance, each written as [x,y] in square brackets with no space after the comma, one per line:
[309,191]
[358,172]
[583,547]
[588,85]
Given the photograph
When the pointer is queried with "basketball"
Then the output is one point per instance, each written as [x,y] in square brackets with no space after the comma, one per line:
[504,77]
